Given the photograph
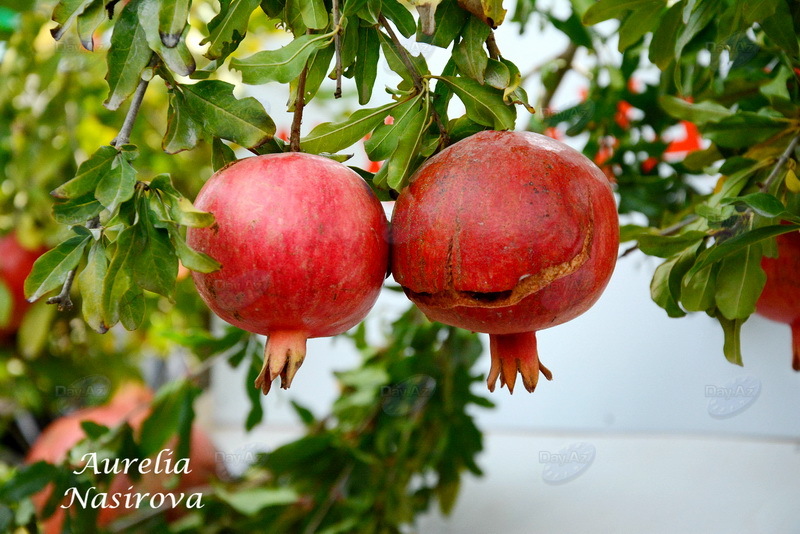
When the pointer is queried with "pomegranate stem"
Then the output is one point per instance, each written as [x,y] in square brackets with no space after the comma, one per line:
[796,345]
[512,353]
[283,356]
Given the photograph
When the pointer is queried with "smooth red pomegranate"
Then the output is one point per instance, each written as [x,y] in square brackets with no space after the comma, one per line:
[506,233]
[780,299]
[16,262]
[131,404]
[303,244]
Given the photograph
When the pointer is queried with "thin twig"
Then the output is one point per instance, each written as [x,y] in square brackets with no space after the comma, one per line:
[779,165]
[124,134]
[491,46]
[336,493]
[403,53]
[299,103]
[63,300]
[337,44]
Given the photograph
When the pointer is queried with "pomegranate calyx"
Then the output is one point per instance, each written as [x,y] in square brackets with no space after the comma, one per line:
[283,356]
[513,353]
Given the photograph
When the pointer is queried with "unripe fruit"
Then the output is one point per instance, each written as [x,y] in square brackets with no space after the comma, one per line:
[303,245]
[506,233]
[780,299]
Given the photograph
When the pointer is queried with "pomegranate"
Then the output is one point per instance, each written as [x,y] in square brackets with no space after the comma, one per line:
[131,404]
[780,299]
[506,233]
[15,265]
[303,244]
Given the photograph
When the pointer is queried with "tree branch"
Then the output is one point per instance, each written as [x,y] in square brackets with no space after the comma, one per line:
[491,46]
[337,43]
[780,163]
[124,134]
[567,56]
[299,104]
[403,53]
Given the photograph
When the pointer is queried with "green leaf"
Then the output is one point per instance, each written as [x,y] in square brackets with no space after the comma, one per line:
[484,104]
[763,204]
[744,129]
[90,285]
[314,14]
[132,308]
[699,114]
[402,17]
[757,10]
[469,54]
[779,28]
[50,270]
[243,121]
[573,28]
[172,19]
[610,9]
[177,58]
[737,243]
[665,288]
[64,14]
[28,480]
[172,413]
[732,345]
[392,56]
[6,304]
[317,71]
[399,165]
[665,246]
[640,22]
[190,258]
[221,154]
[88,22]
[88,175]
[449,20]
[117,185]
[697,293]
[332,137]
[385,137]
[183,132]
[497,74]
[662,45]
[77,210]
[366,67]
[156,265]
[228,28]
[251,501]
[127,57]
[703,14]
[740,280]
[281,65]
[119,276]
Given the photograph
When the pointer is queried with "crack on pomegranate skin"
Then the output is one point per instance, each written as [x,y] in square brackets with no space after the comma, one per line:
[526,286]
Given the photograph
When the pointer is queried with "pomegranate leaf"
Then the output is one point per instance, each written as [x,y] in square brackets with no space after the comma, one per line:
[172,19]
[90,285]
[177,57]
[52,267]
[732,344]
[334,136]
[227,29]
[221,154]
[65,13]
[119,276]
[192,259]
[665,246]
[243,121]
[251,501]
[662,44]
[469,53]
[314,14]
[127,57]
[401,16]
[366,66]
[697,291]
[6,304]
[117,185]
[384,139]
[183,132]
[392,55]
[132,308]
[318,66]
[609,9]
[401,163]
[484,104]
[282,65]
[172,411]
[739,282]
[88,22]
[156,265]
[449,19]
[733,245]
[780,29]
[88,175]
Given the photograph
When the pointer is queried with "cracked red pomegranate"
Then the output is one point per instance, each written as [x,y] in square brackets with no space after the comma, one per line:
[780,299]
[303,244]
[506,233]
